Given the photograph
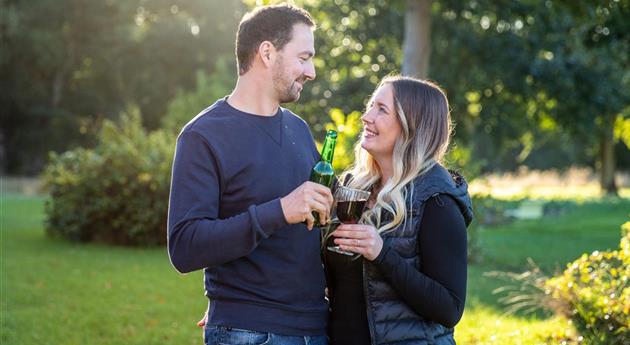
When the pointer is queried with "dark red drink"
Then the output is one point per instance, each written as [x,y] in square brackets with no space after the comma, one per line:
[350,212]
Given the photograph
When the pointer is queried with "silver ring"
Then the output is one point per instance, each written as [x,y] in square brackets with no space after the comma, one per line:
[356,243]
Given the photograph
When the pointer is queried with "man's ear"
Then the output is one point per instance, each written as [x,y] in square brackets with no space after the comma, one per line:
[267,53]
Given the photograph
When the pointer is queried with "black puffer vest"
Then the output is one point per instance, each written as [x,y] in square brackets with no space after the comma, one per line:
[391,320]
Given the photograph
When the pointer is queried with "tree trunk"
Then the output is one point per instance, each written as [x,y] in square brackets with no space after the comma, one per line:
[57,87]
[3,154]
[607,157]
[417,42]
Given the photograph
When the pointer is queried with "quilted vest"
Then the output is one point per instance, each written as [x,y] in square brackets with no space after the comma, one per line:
[391,320]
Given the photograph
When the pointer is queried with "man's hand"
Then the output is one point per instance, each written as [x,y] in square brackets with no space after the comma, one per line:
[203,320]
[301,202]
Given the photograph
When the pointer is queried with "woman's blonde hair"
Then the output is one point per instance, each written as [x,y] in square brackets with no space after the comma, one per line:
[423,112]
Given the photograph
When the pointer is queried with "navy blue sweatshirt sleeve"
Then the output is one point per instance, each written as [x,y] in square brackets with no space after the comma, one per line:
[197,238]
[438,291]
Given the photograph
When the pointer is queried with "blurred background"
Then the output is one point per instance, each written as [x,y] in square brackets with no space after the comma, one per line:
[95,92]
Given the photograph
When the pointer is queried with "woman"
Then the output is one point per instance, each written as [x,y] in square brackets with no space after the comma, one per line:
[409,285]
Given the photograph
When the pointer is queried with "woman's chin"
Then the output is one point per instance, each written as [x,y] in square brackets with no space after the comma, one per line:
[367,146]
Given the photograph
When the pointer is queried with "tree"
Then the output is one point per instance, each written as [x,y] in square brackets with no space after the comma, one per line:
[417,42]
[529,74]
[486,54]
[91,60]
[357,43]
[590,53]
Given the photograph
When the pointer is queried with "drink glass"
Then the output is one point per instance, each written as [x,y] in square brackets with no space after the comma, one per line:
[349,206]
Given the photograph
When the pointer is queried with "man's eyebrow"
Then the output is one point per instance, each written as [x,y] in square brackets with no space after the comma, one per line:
[309,53]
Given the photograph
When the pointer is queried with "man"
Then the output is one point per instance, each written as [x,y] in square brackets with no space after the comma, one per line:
[240,207]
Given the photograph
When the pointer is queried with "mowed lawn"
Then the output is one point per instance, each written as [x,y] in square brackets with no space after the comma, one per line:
[551,243]
[56,292]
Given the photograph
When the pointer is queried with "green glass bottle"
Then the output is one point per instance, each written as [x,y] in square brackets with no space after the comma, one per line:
[323,172]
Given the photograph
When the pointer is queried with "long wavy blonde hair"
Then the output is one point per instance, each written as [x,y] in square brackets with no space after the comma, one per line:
[423,112]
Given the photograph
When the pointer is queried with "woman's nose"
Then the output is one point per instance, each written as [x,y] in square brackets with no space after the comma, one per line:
[366,117]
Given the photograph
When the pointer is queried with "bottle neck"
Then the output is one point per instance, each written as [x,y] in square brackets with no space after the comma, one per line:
[328,150]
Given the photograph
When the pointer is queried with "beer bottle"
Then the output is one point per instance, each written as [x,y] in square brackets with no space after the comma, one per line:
[323,172]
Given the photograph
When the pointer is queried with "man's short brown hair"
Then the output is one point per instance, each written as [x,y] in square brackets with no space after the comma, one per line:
[267,23]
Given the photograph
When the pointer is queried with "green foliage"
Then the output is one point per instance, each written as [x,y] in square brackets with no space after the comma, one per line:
[594,292]
[92,60]
[210,87]
[357,43]
[556,79]
[497,112]
[523,78]
[116,192]
[622,128]
[488,213]
[520,109]
[348,128]
[459,158]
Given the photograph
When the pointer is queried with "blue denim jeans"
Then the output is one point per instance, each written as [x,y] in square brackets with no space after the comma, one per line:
[220,335]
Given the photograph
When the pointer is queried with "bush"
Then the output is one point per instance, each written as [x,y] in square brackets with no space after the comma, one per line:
[488,213]
[209,88]
[594,292]
[348,127]
[491,212]
[555,208]
[116,192]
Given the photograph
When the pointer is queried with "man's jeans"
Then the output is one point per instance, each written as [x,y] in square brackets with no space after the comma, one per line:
[220,335]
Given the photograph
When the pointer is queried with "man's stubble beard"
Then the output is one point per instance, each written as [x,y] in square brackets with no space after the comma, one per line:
[286,93]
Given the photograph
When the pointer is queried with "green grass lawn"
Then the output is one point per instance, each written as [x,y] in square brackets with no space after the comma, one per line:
[56,292]
[551,242]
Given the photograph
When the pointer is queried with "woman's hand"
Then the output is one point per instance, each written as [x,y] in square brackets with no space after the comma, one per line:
[359,238]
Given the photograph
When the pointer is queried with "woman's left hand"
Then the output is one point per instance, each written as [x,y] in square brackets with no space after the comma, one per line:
[359,238]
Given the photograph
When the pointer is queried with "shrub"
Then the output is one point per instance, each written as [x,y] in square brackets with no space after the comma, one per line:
[209,88]
[555,208]
[491,212]
[116,192]
[348,127]
[594,292]
[488,213]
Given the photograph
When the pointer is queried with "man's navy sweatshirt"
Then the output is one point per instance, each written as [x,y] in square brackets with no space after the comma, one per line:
[229,172]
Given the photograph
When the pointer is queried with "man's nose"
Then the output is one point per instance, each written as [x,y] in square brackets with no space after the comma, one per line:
[309,71]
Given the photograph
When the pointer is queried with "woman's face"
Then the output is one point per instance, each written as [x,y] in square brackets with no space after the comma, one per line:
[380,124]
